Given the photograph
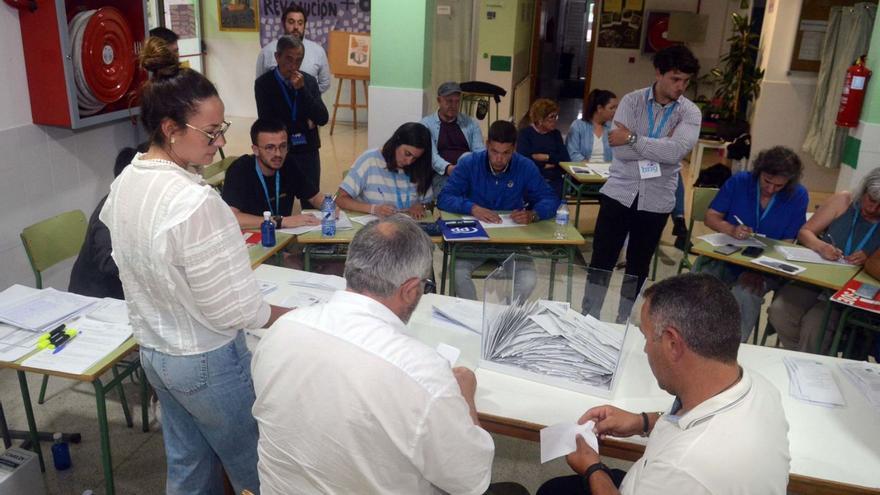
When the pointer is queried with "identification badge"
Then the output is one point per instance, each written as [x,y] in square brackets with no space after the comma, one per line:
[298,139]
[649,169]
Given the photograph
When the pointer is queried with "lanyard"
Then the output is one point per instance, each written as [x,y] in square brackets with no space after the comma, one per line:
[400,204]
[852,231]
[758,215]
[663,119]
[284,92]
[277,210]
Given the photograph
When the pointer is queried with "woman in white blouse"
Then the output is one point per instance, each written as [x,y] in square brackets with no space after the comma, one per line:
[587,139]
[188,283]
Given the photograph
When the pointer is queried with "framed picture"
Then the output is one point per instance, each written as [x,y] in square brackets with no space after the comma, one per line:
[238,15]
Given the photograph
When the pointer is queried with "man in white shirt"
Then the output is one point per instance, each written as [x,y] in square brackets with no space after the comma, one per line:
[348,403]
[314,62]
[726,432]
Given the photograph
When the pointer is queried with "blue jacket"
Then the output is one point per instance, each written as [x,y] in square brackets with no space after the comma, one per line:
[472,182]
[469,127]
[580,141]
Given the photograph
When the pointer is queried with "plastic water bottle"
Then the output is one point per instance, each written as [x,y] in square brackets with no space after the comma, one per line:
[328,216]
[560,231]
[267,230]
[60,452]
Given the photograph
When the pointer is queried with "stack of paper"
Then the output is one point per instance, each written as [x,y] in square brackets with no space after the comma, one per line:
[812,382]
[342,223]
[459,312]
[807,255]
[15,342]
[318,281]
[364,219]
[718,239]
[95,340]
[600,168]
[547,338]
[866,377]
[42,310]
[111,311]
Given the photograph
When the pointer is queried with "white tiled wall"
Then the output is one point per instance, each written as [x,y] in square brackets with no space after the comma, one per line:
[44,171]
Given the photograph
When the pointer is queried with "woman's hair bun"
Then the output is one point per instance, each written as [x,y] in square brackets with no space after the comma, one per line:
[158,59]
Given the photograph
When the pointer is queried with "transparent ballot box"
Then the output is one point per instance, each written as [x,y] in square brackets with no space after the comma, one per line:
[574,344]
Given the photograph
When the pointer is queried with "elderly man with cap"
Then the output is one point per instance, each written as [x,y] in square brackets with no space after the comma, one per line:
[453,133]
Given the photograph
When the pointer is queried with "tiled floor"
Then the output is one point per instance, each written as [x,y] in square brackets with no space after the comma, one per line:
[138,458]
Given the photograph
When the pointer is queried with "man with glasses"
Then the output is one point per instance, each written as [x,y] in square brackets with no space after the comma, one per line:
[266,181]
[348,402]
[291,96]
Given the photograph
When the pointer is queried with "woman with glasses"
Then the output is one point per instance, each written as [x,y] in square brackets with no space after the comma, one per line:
[395,178]
[542,142]
[188,282]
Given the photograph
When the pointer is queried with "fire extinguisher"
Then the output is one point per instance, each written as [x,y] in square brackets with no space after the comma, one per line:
[853,96]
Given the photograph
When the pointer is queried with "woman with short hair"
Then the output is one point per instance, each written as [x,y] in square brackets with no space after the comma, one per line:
[542,142]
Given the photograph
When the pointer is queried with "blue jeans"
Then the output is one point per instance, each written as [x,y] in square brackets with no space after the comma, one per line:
[678,209]
[207,423]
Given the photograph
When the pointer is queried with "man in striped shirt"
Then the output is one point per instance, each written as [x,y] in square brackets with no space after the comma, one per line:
[654,128]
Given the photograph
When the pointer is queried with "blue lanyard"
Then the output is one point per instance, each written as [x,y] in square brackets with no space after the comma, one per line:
[284,91]
[663,119]
[400,204]
[277,210]
[758,215]
[852,231]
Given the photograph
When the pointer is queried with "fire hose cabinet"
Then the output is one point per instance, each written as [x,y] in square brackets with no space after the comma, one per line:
[81,59]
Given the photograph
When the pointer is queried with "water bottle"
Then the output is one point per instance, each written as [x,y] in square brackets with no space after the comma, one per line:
[328,217]
[267,230]
[60,452]
[560,232]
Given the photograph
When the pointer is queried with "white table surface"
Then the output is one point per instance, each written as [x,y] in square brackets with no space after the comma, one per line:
[840,445]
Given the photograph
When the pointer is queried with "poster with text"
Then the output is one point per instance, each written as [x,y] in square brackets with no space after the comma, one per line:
[620,24]
[322,17]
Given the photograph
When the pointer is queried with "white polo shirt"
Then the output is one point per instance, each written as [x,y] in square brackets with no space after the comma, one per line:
[733,443]
[346,403]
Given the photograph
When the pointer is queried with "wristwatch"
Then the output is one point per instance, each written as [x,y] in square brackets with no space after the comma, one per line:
[592,469]
[534,217]
[631,139]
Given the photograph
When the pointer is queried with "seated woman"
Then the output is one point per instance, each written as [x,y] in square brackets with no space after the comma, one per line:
[396,178]
[587,139]
[542,142]
[769,201]
[844,228]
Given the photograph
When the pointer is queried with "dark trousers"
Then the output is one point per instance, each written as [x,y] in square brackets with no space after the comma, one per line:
[506,488]
[309,165]
[574,485]
[614,223]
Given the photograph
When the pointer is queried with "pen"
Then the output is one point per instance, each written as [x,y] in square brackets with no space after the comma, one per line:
[738,220]
[827,235]
[64,344]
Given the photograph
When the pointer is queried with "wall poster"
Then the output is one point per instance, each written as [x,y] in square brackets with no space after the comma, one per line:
[620,24]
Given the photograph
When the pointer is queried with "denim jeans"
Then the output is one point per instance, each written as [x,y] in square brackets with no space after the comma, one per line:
[207,422]
[678,209]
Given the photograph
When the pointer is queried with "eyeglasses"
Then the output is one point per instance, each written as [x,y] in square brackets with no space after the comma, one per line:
[430,286]
[553,116]
[213,136]
[272,149]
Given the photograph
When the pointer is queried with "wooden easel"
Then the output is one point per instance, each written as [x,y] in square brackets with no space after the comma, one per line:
[343,49]
[352,102]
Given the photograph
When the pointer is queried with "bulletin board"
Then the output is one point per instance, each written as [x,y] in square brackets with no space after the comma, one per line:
[349,54]
[812,25]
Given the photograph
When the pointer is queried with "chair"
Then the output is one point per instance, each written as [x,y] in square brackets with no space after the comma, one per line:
[700,201]
[215,173]
[50,242]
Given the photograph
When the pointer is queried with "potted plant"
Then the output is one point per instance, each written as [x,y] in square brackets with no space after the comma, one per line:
[737,80]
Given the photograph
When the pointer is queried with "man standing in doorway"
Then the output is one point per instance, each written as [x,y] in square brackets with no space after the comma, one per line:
[294,19]
[654,128]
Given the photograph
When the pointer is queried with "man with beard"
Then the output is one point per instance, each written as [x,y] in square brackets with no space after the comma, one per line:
[262,182]
[293,20]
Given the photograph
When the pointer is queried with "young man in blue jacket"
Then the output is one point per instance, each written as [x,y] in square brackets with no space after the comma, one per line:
[497,179]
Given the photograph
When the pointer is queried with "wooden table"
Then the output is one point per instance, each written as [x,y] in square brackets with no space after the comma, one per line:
[584,187]
[535,239]
[259,254]
[833,451]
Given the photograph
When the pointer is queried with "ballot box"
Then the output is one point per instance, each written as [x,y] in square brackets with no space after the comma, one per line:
[571,337]
[20,473]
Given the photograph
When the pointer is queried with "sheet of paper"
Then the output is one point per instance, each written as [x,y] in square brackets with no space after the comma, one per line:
[16,343]
[363,219]
[506,222]
[467,314]
[110,310]
[812,382]
[43,309]
[779,266]
[719,239]
[561,439]
[450,353]
[318,281]
[866,378]
[95,340]
[807,255]
[343,222]
[600,168]
[266,288]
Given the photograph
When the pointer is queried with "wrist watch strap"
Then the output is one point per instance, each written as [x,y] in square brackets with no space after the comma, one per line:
[592,469]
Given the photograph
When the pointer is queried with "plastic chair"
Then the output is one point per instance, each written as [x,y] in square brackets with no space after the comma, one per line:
[700,201]
[50,242]
[215,173]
